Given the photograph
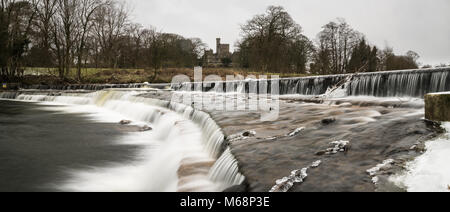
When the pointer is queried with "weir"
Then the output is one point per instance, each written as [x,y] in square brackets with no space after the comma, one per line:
[94,87]
[407,83]
[222,173]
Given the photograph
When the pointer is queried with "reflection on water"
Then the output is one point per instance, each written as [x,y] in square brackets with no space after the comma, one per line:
[39,146]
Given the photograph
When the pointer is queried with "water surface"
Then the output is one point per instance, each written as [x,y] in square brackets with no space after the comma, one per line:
[39,147]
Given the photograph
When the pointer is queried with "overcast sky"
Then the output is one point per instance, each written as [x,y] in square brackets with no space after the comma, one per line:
[419,25]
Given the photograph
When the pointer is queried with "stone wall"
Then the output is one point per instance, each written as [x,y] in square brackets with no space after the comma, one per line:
[437,106]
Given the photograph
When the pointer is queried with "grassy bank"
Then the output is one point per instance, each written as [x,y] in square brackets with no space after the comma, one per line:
[124,76]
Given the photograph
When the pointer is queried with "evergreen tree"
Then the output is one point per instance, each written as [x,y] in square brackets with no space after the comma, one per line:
[364,58]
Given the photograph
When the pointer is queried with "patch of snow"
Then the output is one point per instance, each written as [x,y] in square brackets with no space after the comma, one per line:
[429,172]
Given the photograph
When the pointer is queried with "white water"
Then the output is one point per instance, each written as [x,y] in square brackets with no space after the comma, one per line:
[181,140]
[405,83]
[431,171]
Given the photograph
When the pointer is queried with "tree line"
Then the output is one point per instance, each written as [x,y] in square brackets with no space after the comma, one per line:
[273,42]
[69,35]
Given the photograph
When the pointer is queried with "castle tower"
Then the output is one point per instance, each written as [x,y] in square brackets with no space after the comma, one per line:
[218,46]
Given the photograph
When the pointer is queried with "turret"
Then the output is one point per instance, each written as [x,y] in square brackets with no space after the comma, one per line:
[218,46]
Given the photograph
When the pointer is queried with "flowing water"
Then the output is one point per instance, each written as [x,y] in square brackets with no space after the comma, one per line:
[409,83]
[41,145]
[179,154]
[73,141]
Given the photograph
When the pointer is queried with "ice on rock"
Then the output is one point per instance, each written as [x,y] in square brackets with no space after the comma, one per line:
[297,176]
[375,170]
[281,181]
[291,134]
[316,164]
[283,185]
[339,146]
[304,173]
[296,132]
[375,180]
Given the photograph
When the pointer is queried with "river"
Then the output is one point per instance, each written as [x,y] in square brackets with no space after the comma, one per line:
[76,143]
[40,145]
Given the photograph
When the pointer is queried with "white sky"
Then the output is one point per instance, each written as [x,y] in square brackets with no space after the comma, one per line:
[419,25]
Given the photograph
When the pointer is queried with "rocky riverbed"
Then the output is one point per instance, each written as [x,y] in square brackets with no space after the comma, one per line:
[349,136]
[316,143]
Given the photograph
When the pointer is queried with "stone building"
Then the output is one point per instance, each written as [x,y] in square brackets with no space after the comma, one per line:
[211,59]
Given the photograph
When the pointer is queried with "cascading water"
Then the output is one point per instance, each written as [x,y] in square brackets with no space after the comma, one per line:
[203,162]
[415,83]
[226,170]
[94,87]
[186,151]
[411,83]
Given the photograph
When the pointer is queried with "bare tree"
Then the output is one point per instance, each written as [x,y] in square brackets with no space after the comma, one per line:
[85,14]
[198,46]
[109,24]
[267,39]
[45,10]
[136,33]
[65,25]
[338,39]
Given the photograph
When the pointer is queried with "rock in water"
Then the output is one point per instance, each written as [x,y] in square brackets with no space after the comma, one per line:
[249,133]
[328,121]
[125,122]
[145,128]
[437,106]
[241,136]
[320,153]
